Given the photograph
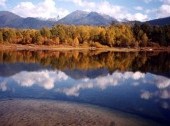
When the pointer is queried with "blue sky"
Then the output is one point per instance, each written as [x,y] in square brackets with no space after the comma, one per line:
[120,9]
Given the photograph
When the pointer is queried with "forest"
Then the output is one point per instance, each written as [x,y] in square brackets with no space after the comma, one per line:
[120,35]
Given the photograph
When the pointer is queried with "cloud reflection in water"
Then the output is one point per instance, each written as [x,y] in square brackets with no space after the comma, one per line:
[50,79]
[116,79]
[45,79]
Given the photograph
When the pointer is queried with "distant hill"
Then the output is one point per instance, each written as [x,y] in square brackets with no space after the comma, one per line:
[9,19]
[161,21]
[84,18]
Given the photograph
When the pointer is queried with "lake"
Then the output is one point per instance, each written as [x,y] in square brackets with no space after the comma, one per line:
[132,85]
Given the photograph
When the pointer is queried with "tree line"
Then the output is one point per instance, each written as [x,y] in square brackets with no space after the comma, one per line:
[120,35]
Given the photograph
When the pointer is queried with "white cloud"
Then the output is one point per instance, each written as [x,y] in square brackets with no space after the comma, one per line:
[2,2]
[116,11]
[83,3]
[160,12]
[138,75]
[28,79]
[45,79]
[117,78]
[163,11]
[48,80]
[146,95]
[3,86]
[162,82]
[165,94]
[158,94]
[45,9]
[137,17]
[138,8]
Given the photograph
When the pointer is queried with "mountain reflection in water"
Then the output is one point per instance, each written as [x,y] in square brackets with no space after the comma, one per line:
[137,83]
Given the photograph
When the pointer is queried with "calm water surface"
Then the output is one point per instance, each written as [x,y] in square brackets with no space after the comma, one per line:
[136,83]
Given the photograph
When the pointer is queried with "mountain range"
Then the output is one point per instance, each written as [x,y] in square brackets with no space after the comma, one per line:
[85,18]
[9,19]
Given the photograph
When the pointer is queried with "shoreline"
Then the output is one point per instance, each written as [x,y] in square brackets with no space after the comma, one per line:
[33,47]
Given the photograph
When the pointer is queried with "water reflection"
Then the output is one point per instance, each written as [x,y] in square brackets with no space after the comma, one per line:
[45,79]
[59,82]
[74,60]
[138,83]
[116,79]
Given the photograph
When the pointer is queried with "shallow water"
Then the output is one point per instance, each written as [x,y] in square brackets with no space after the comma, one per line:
[135,83]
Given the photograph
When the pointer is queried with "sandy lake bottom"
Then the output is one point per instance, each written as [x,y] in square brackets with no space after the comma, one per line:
[29,112]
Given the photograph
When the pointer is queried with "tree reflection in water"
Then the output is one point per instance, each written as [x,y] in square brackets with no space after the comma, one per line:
[122,61]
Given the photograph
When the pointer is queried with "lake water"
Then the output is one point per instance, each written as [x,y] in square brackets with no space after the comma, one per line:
[137,83]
